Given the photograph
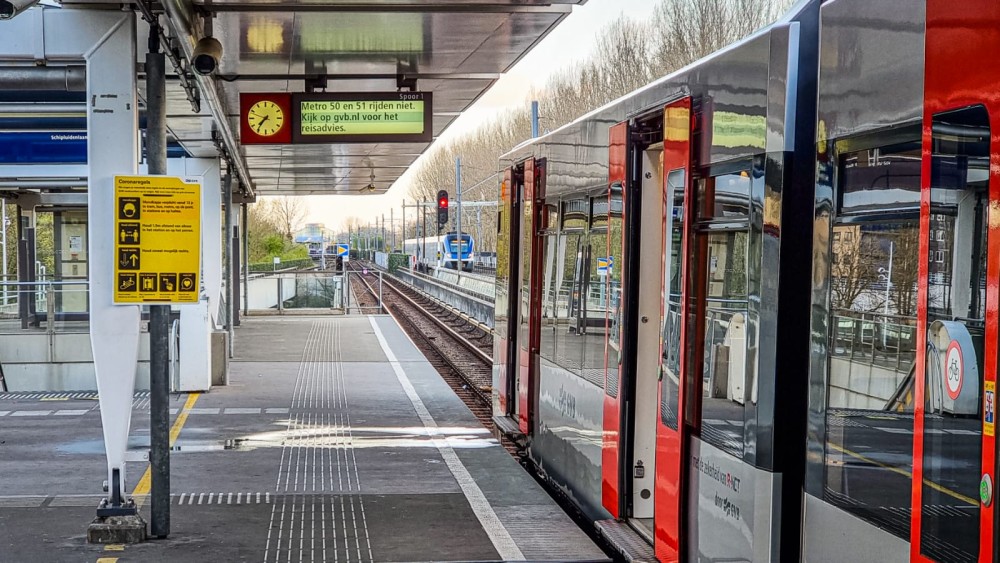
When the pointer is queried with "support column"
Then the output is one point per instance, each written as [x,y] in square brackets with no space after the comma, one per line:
[112,149]
[227,206]
[245,223]
[159,315]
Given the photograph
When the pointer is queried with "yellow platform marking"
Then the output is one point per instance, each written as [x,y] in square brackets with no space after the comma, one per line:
[142,489]
[907,474]
[107,560]
[114,547]
[54,399]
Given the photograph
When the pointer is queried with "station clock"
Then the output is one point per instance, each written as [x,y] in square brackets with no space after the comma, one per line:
[265,118]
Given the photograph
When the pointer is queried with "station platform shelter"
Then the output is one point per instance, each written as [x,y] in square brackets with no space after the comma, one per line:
[335,440]
[230,101]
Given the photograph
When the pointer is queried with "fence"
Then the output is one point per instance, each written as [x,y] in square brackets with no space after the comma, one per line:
[298,290]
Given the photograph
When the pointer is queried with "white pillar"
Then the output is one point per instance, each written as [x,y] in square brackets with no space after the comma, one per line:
[112,149]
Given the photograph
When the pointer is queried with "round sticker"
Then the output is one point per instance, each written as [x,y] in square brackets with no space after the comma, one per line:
[954,370]
[986,490]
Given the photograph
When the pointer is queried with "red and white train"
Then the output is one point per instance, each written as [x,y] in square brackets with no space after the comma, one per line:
[750,311]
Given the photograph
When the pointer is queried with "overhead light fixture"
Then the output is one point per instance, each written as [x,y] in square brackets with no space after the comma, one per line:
[11,8]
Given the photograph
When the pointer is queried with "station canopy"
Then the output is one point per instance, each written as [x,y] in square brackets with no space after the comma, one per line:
[454,49]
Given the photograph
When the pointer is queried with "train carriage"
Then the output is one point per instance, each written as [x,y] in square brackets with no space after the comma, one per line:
[754,303]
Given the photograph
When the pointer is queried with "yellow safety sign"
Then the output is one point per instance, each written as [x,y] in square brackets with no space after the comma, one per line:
[157,239]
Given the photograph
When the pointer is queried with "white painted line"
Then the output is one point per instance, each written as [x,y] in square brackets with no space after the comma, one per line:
[173,411]
[181,500]
[201,497]
[276,411]
[4,413]
[71,412]
[31,413]
[498,534]
[204,411]
[241,410]
[895,430]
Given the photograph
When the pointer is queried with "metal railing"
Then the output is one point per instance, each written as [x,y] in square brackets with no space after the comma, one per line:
[887,341]
[315,290]
[61,305]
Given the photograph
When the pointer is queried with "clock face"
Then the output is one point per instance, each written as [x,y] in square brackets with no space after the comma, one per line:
[265,118]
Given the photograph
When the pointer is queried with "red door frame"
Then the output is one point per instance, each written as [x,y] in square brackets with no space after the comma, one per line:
[958,43]
[507,194]
[671,449]
[610,453]
[527,381]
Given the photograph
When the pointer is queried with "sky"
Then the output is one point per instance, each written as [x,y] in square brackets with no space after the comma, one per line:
[572,41]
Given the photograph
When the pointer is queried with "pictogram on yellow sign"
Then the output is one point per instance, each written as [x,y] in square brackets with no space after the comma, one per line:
[157,239]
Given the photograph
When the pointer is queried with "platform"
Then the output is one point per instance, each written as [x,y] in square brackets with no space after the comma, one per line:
[335,441]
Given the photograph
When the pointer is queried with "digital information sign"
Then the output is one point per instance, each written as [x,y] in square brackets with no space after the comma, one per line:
[371,117]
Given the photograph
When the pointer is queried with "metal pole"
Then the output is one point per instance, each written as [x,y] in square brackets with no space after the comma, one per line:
[227,206]
[246,259]
[159,315]
[423,237]
[3,220]
[534,119]
[458,215]
[392,227]
[380,308]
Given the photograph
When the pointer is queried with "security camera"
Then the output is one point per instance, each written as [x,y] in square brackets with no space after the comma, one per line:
[207,54]
[11,8]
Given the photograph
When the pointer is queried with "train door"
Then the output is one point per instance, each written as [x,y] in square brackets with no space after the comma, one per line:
[670,422]
[530,303]
[955,456]
[614,354]
[643,386]
[508,293]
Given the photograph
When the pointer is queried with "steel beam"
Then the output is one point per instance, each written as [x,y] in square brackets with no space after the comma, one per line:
[64,78]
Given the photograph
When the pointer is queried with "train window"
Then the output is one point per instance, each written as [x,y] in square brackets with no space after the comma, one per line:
[871,346]
[599,212]
[725,386]
[612,249]
[575,214]
[670,375]
[725,196]
[550,218]
[956,312]
[880,178]
[561,347]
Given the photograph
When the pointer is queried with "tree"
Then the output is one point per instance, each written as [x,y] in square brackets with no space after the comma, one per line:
[288,212]
[629,54]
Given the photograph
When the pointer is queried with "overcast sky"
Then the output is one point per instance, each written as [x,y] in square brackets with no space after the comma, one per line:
[571,41]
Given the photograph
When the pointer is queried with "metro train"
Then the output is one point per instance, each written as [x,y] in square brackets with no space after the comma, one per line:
[443,251]
[749,312]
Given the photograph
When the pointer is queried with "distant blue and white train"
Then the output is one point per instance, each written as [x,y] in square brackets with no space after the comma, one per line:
[443,251]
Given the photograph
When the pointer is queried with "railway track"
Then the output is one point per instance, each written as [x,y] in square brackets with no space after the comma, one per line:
[458,348]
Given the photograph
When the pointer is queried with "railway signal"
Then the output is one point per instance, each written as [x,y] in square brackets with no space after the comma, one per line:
[442,200]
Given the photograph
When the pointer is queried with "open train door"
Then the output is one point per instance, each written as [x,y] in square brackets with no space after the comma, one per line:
[670,432]
[955,457]
[611,455]
[530,317]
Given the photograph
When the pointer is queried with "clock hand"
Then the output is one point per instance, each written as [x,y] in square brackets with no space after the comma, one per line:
[261,122]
